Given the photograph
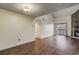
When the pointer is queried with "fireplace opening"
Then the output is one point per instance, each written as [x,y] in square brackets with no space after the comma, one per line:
[76,33]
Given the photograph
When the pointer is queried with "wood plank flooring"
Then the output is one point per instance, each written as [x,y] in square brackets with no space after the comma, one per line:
[54,45]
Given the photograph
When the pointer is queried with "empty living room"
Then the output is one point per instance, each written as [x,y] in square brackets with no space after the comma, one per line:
[39,28]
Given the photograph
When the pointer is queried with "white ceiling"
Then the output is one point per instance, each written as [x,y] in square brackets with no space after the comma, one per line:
[38,9]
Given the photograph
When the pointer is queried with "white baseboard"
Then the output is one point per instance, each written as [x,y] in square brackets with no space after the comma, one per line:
[16,45]
[47,35]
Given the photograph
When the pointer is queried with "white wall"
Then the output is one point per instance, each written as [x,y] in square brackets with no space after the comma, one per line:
[14,26]
[63,16]
[47,26]
[37,29]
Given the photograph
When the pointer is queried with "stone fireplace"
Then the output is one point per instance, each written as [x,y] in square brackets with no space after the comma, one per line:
[75,24]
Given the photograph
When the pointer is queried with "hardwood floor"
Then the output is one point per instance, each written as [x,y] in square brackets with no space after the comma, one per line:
[54,45]
[60,45]
[24,49]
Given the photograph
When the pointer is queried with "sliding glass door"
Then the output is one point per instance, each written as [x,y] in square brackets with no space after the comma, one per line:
[61,29]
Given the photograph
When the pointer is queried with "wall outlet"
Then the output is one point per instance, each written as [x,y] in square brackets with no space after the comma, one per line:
[43,19]
[19,39]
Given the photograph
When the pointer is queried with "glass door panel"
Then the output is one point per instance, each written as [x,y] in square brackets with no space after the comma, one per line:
[61,29]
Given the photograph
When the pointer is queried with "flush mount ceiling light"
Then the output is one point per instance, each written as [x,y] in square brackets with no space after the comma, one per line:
[27,9]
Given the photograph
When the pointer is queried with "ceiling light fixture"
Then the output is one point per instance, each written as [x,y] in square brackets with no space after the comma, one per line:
[27,9]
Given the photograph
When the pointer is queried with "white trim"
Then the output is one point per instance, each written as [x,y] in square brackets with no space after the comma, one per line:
[46,35]
[16,45]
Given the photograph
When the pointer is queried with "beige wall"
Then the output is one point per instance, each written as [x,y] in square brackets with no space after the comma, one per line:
[14,26]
